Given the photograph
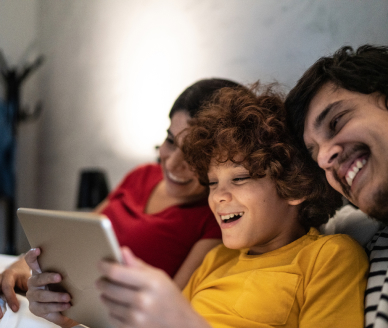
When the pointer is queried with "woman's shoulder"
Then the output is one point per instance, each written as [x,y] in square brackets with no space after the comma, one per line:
[139,180]
[147,168]
[144,172]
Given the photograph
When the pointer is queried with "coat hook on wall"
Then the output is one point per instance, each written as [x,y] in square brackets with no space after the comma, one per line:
[11,114]
[14,78]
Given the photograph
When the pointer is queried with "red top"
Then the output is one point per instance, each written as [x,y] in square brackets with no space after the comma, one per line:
[161,239]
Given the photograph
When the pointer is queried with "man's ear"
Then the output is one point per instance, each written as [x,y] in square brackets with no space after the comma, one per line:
[296,201]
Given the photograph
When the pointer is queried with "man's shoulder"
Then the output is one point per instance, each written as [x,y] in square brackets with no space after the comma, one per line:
[353,222]
[379,241]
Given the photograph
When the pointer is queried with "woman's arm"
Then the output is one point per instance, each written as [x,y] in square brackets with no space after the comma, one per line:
[139,296]
[100,207]
[16,275]
[194,260]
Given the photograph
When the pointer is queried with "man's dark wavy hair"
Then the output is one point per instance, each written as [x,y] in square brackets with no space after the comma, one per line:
[364,70]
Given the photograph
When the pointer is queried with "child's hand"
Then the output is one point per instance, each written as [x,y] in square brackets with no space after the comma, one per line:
[45,303]
[138,295]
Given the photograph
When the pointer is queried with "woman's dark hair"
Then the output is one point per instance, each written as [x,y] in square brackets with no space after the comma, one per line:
[364,70]
[249,127]
[192,98]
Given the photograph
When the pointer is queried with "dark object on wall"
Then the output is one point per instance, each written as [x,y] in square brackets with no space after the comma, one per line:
[11,114]
[93,188]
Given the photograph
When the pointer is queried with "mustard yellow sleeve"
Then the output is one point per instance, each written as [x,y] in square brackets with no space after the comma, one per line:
[334,288]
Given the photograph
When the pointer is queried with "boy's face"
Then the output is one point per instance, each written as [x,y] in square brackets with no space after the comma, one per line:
[347,135]
[249,211]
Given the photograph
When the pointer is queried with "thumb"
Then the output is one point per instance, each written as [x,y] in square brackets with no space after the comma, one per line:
[31,259]
[129,258]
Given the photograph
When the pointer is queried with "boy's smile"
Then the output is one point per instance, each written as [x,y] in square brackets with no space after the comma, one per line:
[249,211]
[229,218]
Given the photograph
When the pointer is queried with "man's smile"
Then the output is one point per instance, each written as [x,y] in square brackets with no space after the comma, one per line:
[354,170]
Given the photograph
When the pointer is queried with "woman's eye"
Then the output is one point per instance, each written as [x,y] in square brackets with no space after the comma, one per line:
[212,183]
[170,140]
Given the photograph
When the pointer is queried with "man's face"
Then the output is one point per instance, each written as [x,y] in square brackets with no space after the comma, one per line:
[347,135]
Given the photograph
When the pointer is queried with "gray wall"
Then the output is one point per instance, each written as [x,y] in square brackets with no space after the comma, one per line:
[114,68]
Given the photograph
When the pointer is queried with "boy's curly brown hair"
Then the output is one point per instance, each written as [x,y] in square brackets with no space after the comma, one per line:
[250,125]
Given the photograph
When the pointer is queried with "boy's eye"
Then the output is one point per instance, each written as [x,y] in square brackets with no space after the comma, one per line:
[212,183]
[239,179]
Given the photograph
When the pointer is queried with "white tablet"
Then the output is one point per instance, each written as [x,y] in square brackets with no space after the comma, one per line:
[72,243]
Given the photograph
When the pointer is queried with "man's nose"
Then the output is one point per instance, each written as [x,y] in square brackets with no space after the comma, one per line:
[327,155]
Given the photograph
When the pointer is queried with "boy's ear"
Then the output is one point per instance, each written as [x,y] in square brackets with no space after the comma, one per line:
[296,201]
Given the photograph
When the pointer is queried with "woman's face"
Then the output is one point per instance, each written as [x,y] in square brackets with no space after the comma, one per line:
[180,180]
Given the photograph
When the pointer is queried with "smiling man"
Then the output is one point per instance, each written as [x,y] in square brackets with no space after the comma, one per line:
[339,111]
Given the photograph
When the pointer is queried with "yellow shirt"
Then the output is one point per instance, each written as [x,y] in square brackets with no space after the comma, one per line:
[315,282]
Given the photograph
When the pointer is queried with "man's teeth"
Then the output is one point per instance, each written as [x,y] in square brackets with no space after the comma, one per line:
[352,173]
[230,216]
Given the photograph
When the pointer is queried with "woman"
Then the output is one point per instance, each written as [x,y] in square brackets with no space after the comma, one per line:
[172,225]
[273,269]
[160,210]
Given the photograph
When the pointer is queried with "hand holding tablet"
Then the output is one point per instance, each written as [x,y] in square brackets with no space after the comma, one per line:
[71,244]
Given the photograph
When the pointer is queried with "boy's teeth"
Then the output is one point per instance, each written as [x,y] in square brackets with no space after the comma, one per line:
[349,181]
[229,216]
[359,165]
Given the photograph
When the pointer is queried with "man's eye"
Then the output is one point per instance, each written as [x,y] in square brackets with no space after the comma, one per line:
[334,122]
[336,119]
[212,183]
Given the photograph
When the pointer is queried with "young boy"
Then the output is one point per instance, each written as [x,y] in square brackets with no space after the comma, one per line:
[274,268]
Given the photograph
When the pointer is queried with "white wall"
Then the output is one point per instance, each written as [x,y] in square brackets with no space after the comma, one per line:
[114,68]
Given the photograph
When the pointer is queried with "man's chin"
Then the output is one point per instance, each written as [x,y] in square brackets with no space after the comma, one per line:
[381,216]
[377,206]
